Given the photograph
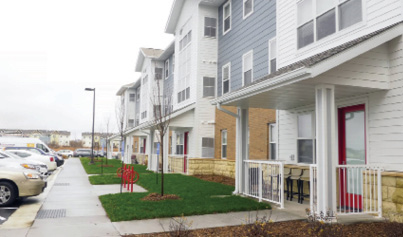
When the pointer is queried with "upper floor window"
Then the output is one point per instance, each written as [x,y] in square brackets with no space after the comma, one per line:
[132,97]
[226,76]
[210,27]
[131,123]
[320,18]
[185,40]
[247,8]
[208,86]
[226,17]
[272,55]
[166,68]
[138,93]
[247,68]
[158,73]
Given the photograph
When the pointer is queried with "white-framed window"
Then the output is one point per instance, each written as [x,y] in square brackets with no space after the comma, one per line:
[247,8]
[272,141]
[158,73]
[226,23]
[210,27]
[166,68]
[272,55]
[132,97]
[179,143]
[306,138]
[226,77]
[318,19]
[142,150]
[224,144]
[131,123]
[207,147]
[247,68]
[208,86]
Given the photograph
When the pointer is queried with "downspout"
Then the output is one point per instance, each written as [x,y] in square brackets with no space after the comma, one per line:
[226,111]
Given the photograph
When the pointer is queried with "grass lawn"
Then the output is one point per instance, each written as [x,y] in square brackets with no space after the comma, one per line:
[197,197]
[96,168]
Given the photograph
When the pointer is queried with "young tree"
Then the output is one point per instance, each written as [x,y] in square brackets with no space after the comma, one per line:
[120,118]
[106,135]
[162,116]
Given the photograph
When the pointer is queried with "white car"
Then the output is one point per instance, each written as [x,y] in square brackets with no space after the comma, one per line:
[49,161]
[66,153]
[8,159]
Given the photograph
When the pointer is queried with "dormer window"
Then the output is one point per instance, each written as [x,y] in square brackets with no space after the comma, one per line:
[318,19]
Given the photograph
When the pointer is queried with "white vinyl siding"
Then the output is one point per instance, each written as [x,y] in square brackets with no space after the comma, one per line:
[226,78]
[166,68]
[227,11]
[247,68]
[183,82]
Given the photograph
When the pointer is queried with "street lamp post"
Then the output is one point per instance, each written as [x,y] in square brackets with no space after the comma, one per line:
[93,122]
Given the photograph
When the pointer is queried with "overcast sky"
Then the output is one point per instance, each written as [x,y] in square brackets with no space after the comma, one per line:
[51,50]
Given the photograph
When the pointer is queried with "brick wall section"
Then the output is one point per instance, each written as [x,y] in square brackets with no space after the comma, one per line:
[258,120]
[392,195]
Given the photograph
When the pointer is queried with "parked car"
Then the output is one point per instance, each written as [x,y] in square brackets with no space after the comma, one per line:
[82,153]
[17,182]
[8,159]
[49,161]
[59,161]
[67,153]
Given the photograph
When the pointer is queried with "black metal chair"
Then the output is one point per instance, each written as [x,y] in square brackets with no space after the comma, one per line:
[295,175]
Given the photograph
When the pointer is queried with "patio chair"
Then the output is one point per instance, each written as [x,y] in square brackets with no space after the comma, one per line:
[295,175]
[304,177]
[287,175]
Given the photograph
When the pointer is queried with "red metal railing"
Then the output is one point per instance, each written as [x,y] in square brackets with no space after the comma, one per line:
[129,177]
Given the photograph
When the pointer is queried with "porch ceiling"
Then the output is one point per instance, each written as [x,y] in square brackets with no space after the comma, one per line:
[295,95]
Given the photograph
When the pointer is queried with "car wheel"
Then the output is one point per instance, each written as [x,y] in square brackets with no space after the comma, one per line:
[8,193]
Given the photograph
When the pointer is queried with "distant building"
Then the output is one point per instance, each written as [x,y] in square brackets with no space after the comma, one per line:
[60,138]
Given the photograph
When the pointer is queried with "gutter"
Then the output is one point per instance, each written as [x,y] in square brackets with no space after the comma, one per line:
[226,111]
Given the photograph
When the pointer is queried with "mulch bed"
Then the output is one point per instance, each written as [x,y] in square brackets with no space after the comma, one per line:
[217,179]
[157,197]
[294,228]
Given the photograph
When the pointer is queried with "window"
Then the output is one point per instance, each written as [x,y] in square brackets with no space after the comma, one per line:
[224,144]
[137,121]
[138,94]
[226,17]
[184,95]
[247,68]
[179,144]
[272,55]
[207,147]
[315,24]
[144,115]
[185,40]
[142,148]
[226,76]
[158,73]
[135,147]
[157,111]
[168,107]
[272,141]
[208,86]
[306,140]
[247,8]
[210,27]
[131,123]
[132,97]
[166,68]
[173,63]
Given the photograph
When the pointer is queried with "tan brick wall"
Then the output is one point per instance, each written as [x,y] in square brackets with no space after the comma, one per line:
[392,196]
[258,120]
[202,166]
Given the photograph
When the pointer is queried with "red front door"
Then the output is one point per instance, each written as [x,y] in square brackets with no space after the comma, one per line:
[352,151]
[144,145]
[185,151]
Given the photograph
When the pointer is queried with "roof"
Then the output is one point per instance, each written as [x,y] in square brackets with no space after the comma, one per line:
[146,53]
[168,51]
[124,88]
[312,61]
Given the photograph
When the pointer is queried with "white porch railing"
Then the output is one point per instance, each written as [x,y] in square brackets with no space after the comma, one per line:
[359,189]
[313,197]
[264,180]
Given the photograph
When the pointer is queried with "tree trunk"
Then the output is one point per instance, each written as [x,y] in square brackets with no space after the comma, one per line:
[162,163]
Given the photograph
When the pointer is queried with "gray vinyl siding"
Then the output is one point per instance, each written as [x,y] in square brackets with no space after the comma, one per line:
[137,111]
[169,82]
[252,33]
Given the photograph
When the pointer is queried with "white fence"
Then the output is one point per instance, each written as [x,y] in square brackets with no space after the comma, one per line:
[264,180]
[359,189]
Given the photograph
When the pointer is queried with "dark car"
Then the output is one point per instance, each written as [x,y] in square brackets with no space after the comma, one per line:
[59,161]
[82,153]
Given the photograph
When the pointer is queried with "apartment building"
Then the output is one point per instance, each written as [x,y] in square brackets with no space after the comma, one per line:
[338,94]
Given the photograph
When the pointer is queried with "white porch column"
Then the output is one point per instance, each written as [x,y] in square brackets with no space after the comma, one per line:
[110,147]
[166,151]
[325,148]
[241,153]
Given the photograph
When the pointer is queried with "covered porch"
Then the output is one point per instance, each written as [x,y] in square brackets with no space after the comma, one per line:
[325,106]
